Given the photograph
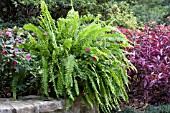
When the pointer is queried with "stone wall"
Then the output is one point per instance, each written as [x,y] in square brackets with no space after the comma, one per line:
[33,104]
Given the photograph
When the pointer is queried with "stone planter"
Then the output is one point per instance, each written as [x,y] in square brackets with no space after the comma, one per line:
[80,107]
[33,104]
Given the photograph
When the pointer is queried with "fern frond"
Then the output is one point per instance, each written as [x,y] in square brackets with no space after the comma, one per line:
[45,76]
[108,82]
[97,94]
[104,93]
[60,80]
[69,67]
[95,74]
[76,86]
[35,29]
[70,93]
[89,94]
[115,77]
[48,22]
[85,32]
[14,86]
[67,43]
[73,23]
[69,103]
[53,77]
[47,16]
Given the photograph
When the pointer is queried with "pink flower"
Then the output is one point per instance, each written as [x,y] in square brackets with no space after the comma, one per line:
[4,52]
[17,51]
[20,41]
[7,29]
[87,49]
[28,57]
[15,63]
[0,32]
[9,34]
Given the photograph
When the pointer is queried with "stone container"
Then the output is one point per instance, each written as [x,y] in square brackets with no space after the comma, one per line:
[35,104]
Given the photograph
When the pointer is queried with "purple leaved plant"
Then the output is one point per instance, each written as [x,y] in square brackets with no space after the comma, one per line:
[151,57]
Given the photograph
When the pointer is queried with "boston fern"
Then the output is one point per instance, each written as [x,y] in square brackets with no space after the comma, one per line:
[81,57]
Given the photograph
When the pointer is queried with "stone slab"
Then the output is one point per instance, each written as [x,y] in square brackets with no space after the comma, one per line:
[30,97]
[23,107]
[5,107]
[47,106]
[33,104]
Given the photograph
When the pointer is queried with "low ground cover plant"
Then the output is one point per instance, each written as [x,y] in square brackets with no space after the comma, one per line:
[148,109]
[151,57]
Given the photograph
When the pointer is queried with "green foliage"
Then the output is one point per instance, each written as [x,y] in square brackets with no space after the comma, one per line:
[121,15]
[130,110]
[148,109]
[116,12]
[11,23]
[26,11]
[155,11]
[80,58]
[158,109]
[14,63]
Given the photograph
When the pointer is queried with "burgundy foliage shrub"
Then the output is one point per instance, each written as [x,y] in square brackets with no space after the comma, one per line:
[151,57]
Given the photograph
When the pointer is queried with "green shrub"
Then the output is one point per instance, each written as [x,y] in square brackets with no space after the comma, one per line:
[15,63]
[26,11]
[121,15]
[117,12]
[114,13]
[154,11]
[16,14]
[80,57]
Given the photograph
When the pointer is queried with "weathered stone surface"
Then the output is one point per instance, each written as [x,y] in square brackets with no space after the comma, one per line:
[32,104]
[59,104]
[23,107]
[6,107]
[30,97]
[48,106]
[5,99]
[80,107]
